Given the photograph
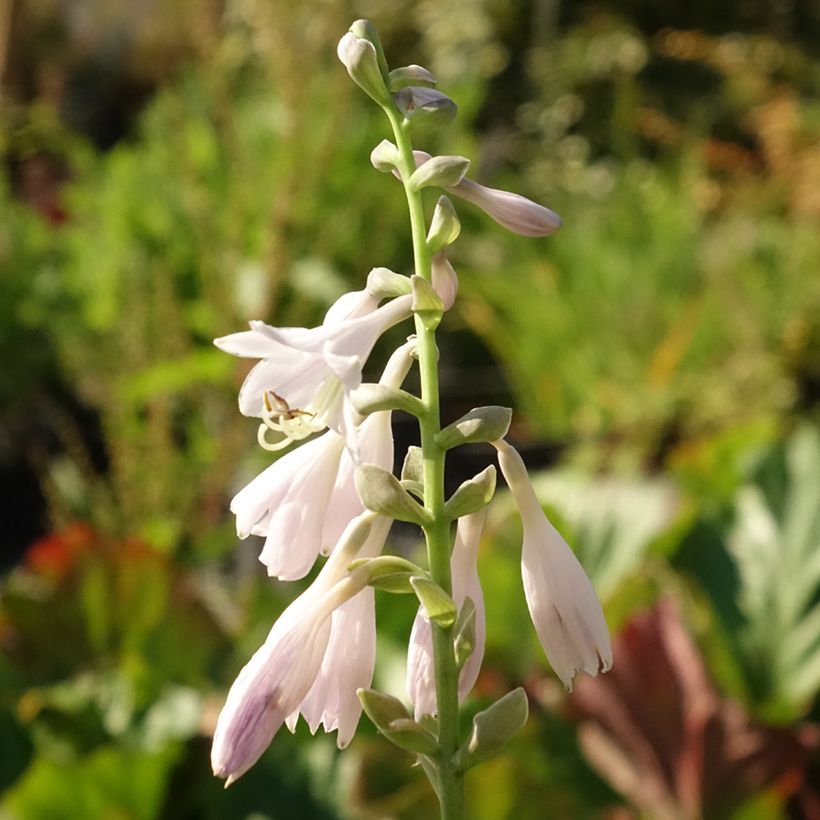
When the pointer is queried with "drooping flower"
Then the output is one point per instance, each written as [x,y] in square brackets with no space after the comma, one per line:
[300,386]
[349,660]
[282,671]
[421,681]
[563,605]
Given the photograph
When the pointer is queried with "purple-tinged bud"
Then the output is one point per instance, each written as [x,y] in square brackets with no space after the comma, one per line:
[512,211]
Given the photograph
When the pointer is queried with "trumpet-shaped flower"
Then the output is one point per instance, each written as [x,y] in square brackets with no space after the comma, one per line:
[421,682]
[302,503]
[349,660]
[300,386]
[564,608]
[282,671]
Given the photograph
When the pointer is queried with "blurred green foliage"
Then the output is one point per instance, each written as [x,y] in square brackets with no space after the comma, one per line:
[665,344]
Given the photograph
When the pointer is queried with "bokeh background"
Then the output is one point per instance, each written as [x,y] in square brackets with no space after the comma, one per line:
[173,169]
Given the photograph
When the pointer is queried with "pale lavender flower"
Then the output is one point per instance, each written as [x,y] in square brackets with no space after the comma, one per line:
[349,659]
[563,605]
[270,686]
[305,375]
[302,503]
[281,673]
[421,681]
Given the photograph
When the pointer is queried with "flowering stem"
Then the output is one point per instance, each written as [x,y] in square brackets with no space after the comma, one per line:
[439,544]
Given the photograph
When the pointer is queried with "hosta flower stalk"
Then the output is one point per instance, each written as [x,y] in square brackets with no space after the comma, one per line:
[335,494]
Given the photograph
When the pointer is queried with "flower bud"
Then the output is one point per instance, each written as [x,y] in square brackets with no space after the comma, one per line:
[361,61]
[410,75]
[385,157]
[382,493]
[367,31]
[444,227]
[445,281]
[472,495]
[480,424]
[493,728]
[512,211]
[437,604]
[443,172]
[424,105]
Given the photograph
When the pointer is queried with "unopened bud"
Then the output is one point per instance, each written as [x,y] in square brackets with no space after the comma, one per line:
[493,728]
[512,211]
[410,75]
[359,58]
[445,281]
[424,105]
[367,31]
[438,605]
[472,495]
[385,157]
[443,172]
[480,424]
[382,493]
[444,227]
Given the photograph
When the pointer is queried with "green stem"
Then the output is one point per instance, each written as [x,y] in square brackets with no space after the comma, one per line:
[439,543]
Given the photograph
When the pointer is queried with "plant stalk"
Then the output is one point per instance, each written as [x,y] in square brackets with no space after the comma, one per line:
[439,542]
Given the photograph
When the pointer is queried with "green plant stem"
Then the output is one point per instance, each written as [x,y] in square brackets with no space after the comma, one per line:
[450,782]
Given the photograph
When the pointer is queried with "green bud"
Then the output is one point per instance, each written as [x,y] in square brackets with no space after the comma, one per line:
[413,467]
[442,172]
[493,728]
[361,61]
[445,226]
[372,398]
[367,31]
[464,633]
[381,708]
[426,302]
[385,157]
[480,424]
[438,605]
[472,495]
[381,493]
[410,75]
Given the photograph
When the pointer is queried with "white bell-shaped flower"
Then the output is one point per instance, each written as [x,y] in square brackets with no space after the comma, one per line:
[421,680]
[300,386]
[302,503]
[563,605]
